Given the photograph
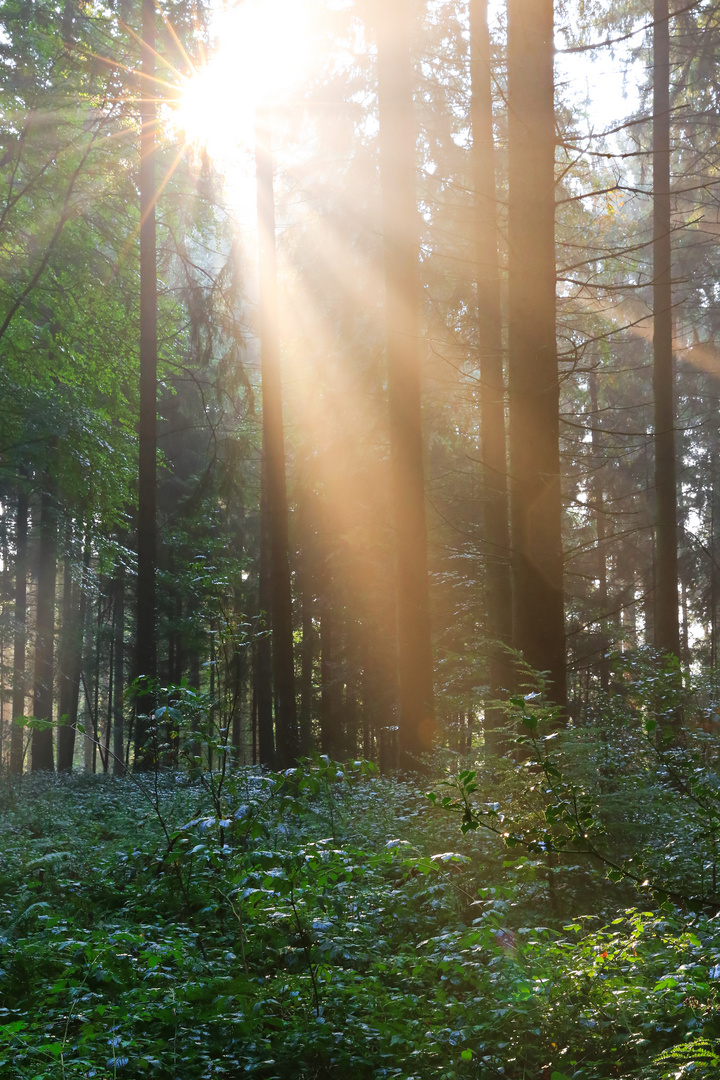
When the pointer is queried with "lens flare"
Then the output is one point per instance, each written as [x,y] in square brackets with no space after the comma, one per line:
[261,51]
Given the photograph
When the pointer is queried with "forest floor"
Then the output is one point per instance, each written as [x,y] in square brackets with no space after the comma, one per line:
[337,924]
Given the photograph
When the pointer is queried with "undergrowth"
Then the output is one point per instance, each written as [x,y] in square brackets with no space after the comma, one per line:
[333,923]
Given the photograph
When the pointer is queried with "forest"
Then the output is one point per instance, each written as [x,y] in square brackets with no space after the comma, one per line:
[359,539]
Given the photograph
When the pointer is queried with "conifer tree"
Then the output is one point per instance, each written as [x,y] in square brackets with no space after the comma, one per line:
[535,497]
[667,630]
[401,249]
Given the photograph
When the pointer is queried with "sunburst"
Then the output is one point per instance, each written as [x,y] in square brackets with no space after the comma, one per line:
[261,48]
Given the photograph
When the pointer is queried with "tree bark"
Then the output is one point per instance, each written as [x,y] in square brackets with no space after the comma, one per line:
[402,296]
[263,651]
[307,653]
[17,733]
[6,576]
[492,384]
[667,630]
[714,549]
[146,642]
[44,675]
[601,531]
[535,497]
[69,645]
[118,714]
[273,451]
[330,734]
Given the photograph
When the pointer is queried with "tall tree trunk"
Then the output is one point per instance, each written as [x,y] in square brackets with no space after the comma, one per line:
[17,733]
[714,556]
[146,642]
[330,734]
[535,498]
[70,702]
[68,645]
[667,631]
[307,653]
[628,616]
[351,678]
[237,705]
[119,673]
[600,527]
[273,451]
[108,711]
[402,295]
[7,576]
[44,678]
[263,651]
[492,383]
[97,678]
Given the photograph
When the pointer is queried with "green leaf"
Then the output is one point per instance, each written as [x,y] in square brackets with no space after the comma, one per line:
[665,984]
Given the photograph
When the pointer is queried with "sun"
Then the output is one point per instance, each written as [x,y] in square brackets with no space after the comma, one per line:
[260,52]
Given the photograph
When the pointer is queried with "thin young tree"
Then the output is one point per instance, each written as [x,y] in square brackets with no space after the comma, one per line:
[402,334]
[533,385]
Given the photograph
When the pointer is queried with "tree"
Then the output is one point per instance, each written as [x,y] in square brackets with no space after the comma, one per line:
[273,454]
[400,242]
[44,675]
[492,385]
[535,497]
[72,632]
[20,635]
[146,615]
[667,631]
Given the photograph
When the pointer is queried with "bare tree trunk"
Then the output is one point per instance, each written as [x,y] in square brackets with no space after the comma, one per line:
[600,527]
[667,631]
[237,700]
[307,654]
[535,497]
[714,555]
[402,293]
[17,734]
[118,713]
[263,651]
[97,678]
[70,689]
[330,735]
[492,386]
[349,706]
[146,642]
[42,740]
[7,577]
[68,643]
[108,711]
[274,460]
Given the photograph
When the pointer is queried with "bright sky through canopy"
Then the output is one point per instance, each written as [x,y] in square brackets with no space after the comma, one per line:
[259,54]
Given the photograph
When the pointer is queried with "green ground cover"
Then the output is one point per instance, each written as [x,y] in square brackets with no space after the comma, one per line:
[336,923]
